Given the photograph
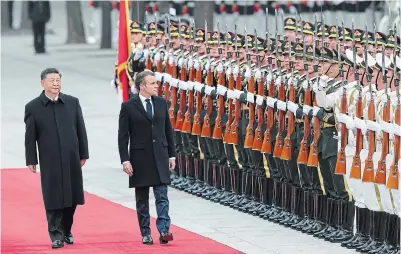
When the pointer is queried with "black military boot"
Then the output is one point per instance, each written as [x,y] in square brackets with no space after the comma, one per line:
[261,195]
[285,192]
[266,196]
[213,182]
[337,221]
[232,186]
[306,220]
[276,200]
[196,175]
[205,184]
[366,225]
[251,191]
[387,245]
[221,185]
[315,207]
[358,226]
[190,166]
[379,229]
[226,183]
[237,181]
[243,200]
[329,220]
[346,221]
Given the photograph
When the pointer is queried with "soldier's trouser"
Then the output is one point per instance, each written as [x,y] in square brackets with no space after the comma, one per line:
[274,171]
[191,148]
[370,195]
[338,180]
[293,167]
[207,156]
[220,152]
[231,157]
[327,177]
[385,194]
[242,156]
[355,185]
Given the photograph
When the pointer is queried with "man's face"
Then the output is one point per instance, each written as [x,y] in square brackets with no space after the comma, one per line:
[136,37]
[290,34]
[201,47]
[298,64]
[176,42]
[149,87]
[52,84]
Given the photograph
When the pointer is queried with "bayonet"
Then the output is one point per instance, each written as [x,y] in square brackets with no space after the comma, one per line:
[256,49]
[179,35]
[147,27]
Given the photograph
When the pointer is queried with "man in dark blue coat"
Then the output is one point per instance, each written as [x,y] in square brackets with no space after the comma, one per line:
[144,124]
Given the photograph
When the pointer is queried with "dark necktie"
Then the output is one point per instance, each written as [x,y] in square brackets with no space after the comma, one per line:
[149,108]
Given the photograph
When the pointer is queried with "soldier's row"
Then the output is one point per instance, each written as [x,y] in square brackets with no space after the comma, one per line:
[300,134]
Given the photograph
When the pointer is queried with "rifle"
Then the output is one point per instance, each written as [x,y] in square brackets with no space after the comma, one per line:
[303,149]
[231,109]
[286,154]
[159,64]
[269,112]
[183,77]
[380,177]
[281,96]
[341,158]
[206,129]
[258,139]
[249,134]
[313,158]
[148,64]
[368,172]
[168,66]
[233,138]
[186,127]
[218,127]
[356,161]
[173,72]
[392,181]
[196,127]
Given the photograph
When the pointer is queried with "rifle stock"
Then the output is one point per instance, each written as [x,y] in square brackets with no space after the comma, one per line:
[159,69]
[356,160]
[278,147]
[172,116]
[231,112]
[196,127]
[234,126]
[258,140]
[249,134]
[286,152]
[392,181]
[368,172]
[206,128]
[218,127]
[267,137]
[186,127]
[304,150]
[341,159]
[313,158]
[380,177]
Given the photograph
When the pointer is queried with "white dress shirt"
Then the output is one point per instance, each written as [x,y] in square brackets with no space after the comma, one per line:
[55,99]
[144,102]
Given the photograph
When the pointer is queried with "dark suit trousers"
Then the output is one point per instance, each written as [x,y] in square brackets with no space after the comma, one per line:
[60,222]
[142,208]
[39,29]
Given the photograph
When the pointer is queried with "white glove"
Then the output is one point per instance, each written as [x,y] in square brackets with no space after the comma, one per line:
[174,82]
[248,73]
[270,101]
[183,85]
[397,129]
[360,124]
[158,76]
[258,74]
[306,109]
[343,118]
[190,63]
[237,93]
[278,81]
[368,97]
[259,100]
[190,85]
[281,105]
[220,68]
[315,86]
[157,56]
[268,78]
[292,106]
[230,94]
[208,90]
[198,86]
[171,60]
[315,110]
[373,126]
[167,77]
[235,71]
[221,90]
[387,127]
[180,62]
[146,53]
[138,55]
[250,97]
[228,72]
[196,64]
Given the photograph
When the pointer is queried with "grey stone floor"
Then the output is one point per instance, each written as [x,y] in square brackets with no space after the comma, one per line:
[87,72]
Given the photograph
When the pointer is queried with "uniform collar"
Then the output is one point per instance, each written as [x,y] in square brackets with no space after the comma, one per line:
[45,100]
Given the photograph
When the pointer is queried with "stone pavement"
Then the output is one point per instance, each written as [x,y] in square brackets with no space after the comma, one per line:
[87,72]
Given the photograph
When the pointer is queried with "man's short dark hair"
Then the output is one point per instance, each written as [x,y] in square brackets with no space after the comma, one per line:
[47,71]
[140,78]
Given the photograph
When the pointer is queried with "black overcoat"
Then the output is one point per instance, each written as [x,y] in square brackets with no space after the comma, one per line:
[151,141]
[59,131]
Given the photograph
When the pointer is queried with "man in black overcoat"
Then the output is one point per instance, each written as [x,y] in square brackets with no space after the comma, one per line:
[39,14]
[55,123]
[144,124]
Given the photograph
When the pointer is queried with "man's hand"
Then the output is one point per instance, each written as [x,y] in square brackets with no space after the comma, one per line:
[171,164]
[127,168]
[32,168]
[83,162]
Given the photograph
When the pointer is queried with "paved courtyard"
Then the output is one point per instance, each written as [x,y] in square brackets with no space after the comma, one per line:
[87,72]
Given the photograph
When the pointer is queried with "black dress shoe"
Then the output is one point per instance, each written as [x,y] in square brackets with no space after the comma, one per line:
[57,244]
[69,239]
[147,239]
[165,237]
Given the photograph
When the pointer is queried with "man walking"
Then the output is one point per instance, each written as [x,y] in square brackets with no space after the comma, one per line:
[55,123]
[39,14]
[144,124]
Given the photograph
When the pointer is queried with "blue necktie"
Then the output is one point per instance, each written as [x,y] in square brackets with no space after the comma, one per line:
[149,108]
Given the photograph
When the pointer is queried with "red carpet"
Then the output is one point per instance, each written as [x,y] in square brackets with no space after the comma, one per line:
[100,226]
